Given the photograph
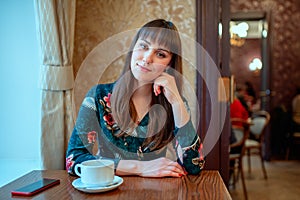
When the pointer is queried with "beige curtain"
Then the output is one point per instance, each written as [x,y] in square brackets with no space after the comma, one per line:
[55,27]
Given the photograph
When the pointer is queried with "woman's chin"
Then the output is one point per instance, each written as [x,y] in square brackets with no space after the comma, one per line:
[144,80]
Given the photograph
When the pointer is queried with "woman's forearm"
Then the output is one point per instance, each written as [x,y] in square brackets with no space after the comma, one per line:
[129,167]
[181,115]
[159,167]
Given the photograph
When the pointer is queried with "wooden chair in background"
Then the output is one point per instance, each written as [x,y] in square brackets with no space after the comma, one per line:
[237,150]
[260,120]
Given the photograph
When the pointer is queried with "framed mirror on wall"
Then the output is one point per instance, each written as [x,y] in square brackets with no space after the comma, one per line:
[249,57]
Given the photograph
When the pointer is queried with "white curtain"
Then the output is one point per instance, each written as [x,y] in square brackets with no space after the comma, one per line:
[55,26]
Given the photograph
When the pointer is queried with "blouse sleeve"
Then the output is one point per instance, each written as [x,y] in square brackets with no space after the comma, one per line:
[84,135]
[189,148]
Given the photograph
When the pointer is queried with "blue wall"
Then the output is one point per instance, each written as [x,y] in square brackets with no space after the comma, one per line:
[20,95]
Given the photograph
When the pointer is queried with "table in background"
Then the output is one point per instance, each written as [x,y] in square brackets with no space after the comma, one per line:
[207,185]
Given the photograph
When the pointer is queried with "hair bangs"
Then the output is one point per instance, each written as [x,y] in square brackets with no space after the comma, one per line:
[164,37]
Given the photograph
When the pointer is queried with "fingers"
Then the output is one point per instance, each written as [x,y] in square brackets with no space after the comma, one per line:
[166,84]
[174,169]
[160,82]
[173,172]
[177,168]
[163,167]
[156,89]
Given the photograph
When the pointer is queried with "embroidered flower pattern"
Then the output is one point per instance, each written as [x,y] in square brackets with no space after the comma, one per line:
[91,137]
[107,100]
[109,119]
[107,116]
[69,163]
[199,160]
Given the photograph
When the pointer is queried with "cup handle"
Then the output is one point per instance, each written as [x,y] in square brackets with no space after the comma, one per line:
[76,170]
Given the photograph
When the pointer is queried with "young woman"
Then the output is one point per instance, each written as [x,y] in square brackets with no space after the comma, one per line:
[141,121]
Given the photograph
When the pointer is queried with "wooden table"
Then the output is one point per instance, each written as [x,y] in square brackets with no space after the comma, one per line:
[207,185]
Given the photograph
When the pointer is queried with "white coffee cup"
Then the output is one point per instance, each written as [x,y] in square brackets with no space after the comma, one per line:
[96,172]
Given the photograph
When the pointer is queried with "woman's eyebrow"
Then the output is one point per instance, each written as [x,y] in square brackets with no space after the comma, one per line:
[161,49]
[146,41]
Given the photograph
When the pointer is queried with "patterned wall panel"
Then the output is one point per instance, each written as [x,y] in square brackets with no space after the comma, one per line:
[285,44]
[241,57]
[98,20]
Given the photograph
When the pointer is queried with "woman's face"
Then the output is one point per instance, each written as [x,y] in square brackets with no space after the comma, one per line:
[149,60]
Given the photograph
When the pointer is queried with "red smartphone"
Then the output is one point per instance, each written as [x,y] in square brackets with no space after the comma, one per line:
[35,187]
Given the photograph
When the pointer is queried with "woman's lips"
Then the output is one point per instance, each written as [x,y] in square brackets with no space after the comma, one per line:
[142,68]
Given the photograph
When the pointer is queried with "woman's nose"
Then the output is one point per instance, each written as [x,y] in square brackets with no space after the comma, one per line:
[147,58]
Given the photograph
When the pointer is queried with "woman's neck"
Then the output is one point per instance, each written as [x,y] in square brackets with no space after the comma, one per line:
[143,91]
[141,99]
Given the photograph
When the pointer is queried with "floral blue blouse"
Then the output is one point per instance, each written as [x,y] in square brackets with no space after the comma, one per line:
[94,137]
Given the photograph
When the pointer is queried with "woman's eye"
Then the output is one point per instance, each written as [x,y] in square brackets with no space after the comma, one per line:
[160,54]
[143,46]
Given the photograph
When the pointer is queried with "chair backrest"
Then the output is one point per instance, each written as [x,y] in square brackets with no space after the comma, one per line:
[241,133]
[260,120]
[238,133]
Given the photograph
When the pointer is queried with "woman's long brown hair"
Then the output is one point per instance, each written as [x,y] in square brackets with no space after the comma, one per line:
[123,110]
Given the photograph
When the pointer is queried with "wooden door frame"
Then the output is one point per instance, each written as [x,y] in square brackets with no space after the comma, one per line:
[209,13]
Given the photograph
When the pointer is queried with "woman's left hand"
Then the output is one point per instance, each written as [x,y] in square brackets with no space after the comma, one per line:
[161,167]
[166,84]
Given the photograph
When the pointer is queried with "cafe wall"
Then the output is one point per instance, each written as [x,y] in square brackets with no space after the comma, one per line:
[240,67]
[285,44]
[97,21]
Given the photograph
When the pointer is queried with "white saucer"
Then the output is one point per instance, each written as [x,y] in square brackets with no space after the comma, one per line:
[81,186]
